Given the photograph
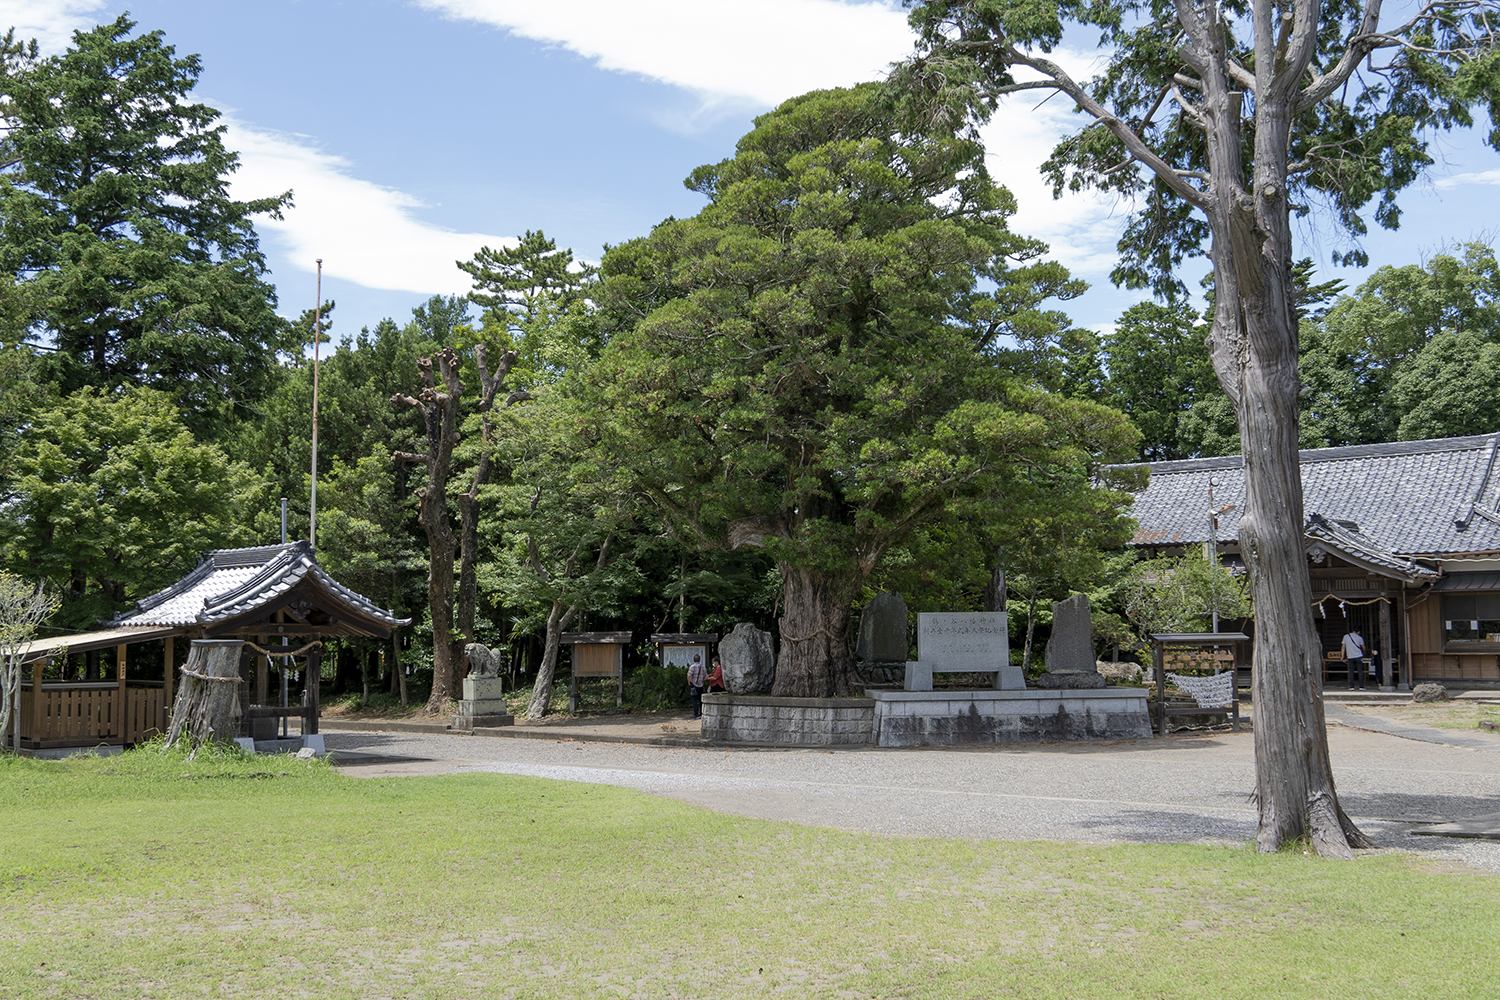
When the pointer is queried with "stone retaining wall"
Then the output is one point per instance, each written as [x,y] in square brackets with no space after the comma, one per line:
[793,722]
[953,718]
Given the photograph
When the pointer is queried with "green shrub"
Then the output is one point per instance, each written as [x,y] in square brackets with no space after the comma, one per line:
[650,688]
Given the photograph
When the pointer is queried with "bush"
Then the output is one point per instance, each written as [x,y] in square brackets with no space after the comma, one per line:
[650,688]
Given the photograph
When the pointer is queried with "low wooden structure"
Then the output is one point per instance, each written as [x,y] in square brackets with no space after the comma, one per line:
[1220,651]
[597,654]
[272,592]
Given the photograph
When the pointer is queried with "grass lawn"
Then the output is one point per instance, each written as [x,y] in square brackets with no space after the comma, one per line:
[1458,714]
[145,876]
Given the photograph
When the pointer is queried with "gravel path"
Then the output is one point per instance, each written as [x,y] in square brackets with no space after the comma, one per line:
[1182,789]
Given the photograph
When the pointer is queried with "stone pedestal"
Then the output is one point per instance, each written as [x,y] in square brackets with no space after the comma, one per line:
[483,704]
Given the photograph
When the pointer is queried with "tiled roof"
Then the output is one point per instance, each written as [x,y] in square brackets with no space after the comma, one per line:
[1355,548]
[230,582]
[1410,497]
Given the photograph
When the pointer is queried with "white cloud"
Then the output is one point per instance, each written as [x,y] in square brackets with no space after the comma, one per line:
[727,51]
[1459,180]
[1081,228]
[365,233]
[50,22]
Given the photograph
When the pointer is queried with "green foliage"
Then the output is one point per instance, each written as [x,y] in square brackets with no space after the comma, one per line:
[1181,594]
[1410,354]
[649,688]
[115,217]
[805,362]
[114,499]
[1159,372]
[1350,145]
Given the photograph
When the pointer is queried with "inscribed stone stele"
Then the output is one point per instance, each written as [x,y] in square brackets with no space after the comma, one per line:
[882,629]
[1071,648]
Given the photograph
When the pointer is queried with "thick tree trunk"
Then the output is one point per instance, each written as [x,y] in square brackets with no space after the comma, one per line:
[208,702]
[541,693]
[814,660]
[1254,346]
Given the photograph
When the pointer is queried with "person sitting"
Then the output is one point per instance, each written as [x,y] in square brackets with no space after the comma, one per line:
[716,677]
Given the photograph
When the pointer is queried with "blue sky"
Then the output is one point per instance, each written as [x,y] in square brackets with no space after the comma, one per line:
[412,133]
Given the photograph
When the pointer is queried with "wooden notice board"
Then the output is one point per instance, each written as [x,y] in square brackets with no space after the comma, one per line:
[602,660]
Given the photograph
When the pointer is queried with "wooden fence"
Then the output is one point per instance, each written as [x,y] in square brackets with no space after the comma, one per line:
[90,713]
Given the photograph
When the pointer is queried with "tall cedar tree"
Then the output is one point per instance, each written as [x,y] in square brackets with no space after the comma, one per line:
[1222,119]
[790,368]
[115,218]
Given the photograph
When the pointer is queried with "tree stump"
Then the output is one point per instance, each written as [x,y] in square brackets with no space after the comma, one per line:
[207,708]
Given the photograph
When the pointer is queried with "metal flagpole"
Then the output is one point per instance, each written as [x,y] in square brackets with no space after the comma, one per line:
[312,507]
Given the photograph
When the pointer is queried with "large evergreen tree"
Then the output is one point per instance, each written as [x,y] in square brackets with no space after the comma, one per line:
[796,367]
[115,217]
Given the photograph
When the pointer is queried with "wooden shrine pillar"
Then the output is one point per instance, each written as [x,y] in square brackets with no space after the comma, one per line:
[38,701]
[122,704]
[168,679]
[310,690]
[1387,650]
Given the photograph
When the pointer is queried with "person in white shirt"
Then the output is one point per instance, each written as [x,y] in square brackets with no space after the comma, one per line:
[1354,653]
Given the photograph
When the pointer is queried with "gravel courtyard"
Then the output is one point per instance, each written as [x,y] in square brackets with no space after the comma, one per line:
[1182,789]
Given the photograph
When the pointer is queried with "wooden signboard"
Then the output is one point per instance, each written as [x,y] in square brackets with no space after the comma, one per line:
[597,654]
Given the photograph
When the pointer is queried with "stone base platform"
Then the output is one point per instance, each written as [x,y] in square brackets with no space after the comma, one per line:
[761,720]
[953,718]
[490,721]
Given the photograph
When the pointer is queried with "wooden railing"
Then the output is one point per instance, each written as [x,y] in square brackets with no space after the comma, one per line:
[89,713]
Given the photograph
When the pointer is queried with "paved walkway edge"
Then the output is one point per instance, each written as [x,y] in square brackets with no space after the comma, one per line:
[1344,717]
[330,725]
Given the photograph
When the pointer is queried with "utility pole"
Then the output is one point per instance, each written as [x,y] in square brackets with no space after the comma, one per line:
[312,506]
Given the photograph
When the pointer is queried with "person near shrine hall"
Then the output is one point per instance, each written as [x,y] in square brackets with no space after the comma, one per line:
[716,677]
[1354,654]
[696,676]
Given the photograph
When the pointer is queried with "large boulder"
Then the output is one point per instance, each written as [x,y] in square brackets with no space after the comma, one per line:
[748,659]
[1429,692]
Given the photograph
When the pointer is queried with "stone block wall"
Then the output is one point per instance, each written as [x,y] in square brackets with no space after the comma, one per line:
[956,718]
[761,720]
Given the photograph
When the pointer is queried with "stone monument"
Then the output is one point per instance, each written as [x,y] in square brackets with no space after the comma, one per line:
[483,702]
[882,644]
[963,643]
[748,660]
[1070,651]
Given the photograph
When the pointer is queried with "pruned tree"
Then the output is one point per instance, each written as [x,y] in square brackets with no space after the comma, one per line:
[1222,119]
[441,409]
[806,365]
[23,606]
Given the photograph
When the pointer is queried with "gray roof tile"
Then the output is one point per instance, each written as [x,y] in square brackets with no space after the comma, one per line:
[1407,497]
[230,582]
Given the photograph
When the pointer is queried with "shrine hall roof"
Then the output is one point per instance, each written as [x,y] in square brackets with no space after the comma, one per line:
[1406,498]
[230,582]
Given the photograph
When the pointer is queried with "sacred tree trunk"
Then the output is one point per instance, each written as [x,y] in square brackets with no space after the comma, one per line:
[541,692]
[207,708]
[1254,348]
[814,660]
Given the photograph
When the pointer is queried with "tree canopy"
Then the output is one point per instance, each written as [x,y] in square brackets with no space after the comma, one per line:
[116,221]
[798,366]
